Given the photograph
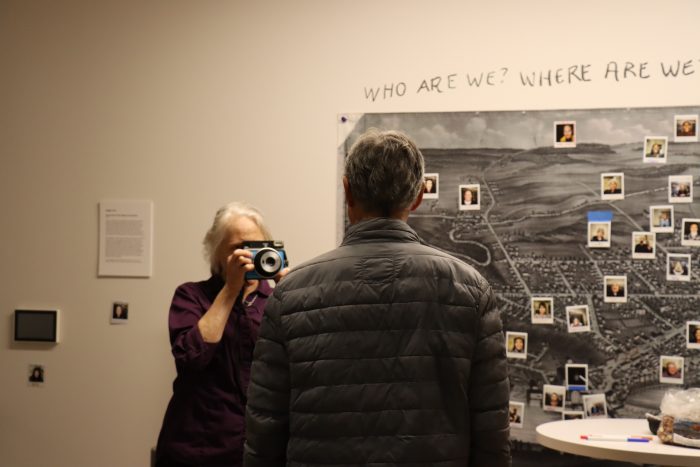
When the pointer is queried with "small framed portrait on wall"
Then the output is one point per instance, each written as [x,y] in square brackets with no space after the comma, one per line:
[565,134]
[469,197]
[686,128]
[671,369]
[643,245]
[680,189]
[599,234]
[678,267]
[553,398]
[431,186]
[516,414]
[692,334]
[516,345]
[615,289]
[655,150]
[691,232]
[661,219]
[612,185]
[120,313]
[36,375]
[542,310]
[577,319]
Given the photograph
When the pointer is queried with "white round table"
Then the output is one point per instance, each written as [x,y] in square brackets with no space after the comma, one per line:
[566,436]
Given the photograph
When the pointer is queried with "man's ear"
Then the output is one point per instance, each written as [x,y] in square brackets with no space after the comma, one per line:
[348,194]
[418,200]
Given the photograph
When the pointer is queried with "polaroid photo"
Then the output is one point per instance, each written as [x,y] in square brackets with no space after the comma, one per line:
[661,219]
[594,406]
[574,399]
[692,334]
[516,414]
[35,375]
[576,377]
[643,245]
[577,319]
[612,185]
[615,289]
[691,234]
[516,345]
[678,267]
[565,134]
[469,197]
[553,398]
[431,186]
[686,128]
[572,415]
[542,310]
[680,189]
[671,369]
[655,150]
[599,234]
[120,313]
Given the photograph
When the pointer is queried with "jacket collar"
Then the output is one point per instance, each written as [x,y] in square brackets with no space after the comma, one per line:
[380,229]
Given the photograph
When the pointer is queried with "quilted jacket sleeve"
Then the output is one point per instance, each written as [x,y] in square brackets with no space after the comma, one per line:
[489,390]
[267,412]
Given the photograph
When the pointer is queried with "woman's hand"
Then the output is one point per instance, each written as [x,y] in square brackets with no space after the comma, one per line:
[281,274]
[238,264]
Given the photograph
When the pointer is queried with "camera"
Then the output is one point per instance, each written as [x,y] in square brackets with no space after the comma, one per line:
[269,258]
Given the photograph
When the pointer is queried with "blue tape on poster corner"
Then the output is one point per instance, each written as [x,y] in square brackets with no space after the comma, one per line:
[600,216]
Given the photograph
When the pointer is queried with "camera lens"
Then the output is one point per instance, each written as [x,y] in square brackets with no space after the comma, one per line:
[268,262]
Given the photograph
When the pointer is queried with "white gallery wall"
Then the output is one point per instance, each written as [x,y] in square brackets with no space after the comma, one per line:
[192,104]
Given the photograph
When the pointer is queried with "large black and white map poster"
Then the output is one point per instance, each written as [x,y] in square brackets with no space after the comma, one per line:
[583,221]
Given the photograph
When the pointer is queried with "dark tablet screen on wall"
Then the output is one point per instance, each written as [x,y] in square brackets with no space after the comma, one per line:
[36,325]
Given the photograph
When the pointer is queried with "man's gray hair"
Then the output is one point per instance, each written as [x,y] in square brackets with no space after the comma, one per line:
[219,228]
[385,171]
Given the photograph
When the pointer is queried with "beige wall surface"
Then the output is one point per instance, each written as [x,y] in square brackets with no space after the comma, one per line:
[192,104]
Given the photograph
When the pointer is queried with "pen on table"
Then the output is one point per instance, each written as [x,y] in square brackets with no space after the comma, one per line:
[629,439]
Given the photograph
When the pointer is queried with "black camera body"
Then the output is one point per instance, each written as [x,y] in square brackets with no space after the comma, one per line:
[269,258]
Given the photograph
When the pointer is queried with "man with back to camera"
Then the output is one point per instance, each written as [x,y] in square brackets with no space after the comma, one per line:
[384,351]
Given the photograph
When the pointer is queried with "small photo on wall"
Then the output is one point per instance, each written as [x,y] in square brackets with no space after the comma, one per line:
[542,310]
[643,245]
[431,186]
[686,128]
[691,232]
[655,149]
[553,398]
[572,415]
[120,313]
[469,197]
[516,414]
[615,289]
[678,267]
[577,319]
[595,406]
[516,344]
[576,377]
[692,334]
[599,234]
[565,134]
[36,375]
[661,219]
[612,185]
[680,189]
[671,369]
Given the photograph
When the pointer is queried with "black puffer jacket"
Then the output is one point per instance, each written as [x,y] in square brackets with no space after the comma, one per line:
[382,352]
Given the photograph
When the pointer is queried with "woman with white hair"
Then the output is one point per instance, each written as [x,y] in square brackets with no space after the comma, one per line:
[213,327]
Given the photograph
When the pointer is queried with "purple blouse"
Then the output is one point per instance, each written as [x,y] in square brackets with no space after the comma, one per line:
[204,423]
